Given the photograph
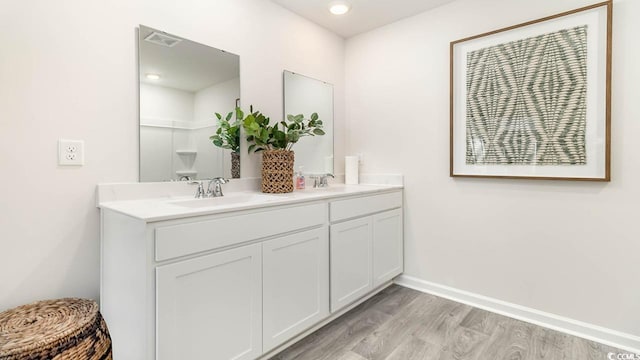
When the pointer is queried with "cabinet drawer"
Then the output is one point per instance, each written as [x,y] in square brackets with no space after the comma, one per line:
[352,208]
[184,239]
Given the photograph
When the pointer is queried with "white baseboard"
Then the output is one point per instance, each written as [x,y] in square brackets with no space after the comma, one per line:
[580,329]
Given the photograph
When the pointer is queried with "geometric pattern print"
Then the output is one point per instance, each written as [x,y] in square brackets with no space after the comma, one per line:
[526,101]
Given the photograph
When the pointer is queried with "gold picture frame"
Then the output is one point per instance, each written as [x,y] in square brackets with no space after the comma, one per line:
[533,100]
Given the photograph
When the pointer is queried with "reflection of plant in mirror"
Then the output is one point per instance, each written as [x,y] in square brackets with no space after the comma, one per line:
[228,134]
[282,135]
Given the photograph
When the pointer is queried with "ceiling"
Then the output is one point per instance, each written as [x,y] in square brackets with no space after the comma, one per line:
[188,65]
[365,15]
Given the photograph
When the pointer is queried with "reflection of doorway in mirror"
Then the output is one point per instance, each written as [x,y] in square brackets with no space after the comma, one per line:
[305,95]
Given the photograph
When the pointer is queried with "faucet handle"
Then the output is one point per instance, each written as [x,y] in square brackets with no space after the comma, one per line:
[199,190]
[320,180]
[316,181]
[323,179]
[217,189]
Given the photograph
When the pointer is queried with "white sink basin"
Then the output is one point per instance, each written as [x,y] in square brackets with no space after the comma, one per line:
[232,199]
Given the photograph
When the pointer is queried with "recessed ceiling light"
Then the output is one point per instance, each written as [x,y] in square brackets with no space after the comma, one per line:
[339,8]
[153,76]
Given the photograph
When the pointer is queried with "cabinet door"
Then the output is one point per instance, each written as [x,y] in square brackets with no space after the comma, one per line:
[295,284]
[351,267]
[387,246]
[210,307]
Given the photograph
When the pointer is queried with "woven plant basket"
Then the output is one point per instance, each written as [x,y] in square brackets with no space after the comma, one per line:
[277,171]
[64,329]
[235,165]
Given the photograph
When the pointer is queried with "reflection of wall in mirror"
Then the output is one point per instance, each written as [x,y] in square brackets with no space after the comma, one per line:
[163,111]
[156,147]
[304,95]
[173,120]
[219,98]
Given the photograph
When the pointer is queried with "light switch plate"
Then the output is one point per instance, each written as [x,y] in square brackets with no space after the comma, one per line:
[70,152]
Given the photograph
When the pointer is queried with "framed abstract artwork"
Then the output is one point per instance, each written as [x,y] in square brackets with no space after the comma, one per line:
[534,100]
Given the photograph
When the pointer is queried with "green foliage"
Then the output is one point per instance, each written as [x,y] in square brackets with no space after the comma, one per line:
[228,134]
[262,135]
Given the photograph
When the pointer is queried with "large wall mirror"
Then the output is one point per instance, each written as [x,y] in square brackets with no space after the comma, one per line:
[305,95]
[182,85]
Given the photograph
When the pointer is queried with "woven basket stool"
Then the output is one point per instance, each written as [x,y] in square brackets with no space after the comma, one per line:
[64,329]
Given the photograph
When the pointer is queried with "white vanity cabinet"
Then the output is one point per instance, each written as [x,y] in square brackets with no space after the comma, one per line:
[387,246]
[351,275]
[366,251]
[242,283]
[295,285]
[210,303]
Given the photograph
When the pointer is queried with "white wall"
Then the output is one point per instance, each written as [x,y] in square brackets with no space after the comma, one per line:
[159,103]
[218,98]
[568,248]
[68,70]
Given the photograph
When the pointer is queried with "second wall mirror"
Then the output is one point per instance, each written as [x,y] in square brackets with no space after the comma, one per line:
[182,85]
[305,95]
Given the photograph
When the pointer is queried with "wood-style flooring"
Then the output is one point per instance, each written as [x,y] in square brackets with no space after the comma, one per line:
[404,324]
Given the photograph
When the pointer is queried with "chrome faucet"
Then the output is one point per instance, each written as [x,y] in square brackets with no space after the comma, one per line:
[217,189]
[320,181]
[200,190]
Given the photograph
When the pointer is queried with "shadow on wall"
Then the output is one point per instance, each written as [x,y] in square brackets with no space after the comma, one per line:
[79,267]
[529,186]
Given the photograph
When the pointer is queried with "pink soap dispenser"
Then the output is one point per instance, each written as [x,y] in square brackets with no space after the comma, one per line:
[300,184]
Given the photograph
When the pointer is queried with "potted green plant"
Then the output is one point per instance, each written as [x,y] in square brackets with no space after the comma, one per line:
[227,136]
[275,141]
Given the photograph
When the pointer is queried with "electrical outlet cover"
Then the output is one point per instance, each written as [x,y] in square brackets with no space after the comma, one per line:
[70,152]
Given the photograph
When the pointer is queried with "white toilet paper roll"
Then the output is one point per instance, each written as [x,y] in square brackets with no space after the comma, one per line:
[351,170]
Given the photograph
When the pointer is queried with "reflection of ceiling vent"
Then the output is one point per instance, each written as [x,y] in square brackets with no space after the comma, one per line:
[162,39]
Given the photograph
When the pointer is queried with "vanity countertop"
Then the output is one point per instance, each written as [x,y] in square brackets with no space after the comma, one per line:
[176,207]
